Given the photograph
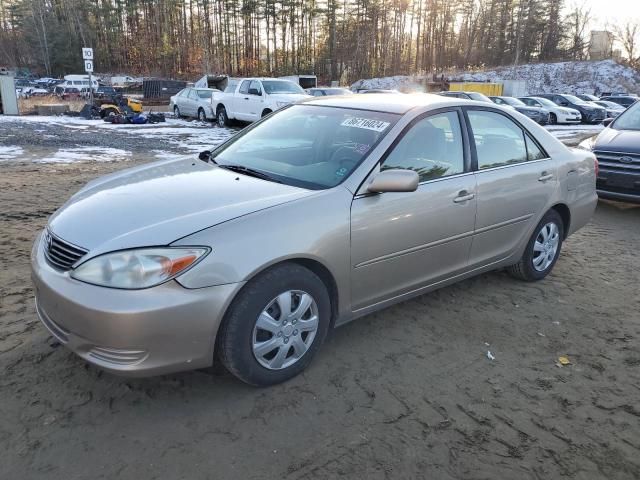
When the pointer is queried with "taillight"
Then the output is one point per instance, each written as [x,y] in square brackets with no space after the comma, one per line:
[597,166]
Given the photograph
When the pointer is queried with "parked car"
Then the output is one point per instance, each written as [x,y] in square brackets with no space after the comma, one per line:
[254,98]
[557,114]
[105,91]
[321,213]
[328,91]
[613,109]
[617,148]
[377,90]
[480,97]
[590,113]
[624,100]
[193,102]
[587,97]
[537,114]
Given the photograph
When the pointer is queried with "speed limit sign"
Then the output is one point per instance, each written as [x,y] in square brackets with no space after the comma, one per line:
[87,53]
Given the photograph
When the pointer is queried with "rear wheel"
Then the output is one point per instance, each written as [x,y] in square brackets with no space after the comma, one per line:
[542,250]
[275,326]
[553,119]
[201,115]
[222,118]
[176,112]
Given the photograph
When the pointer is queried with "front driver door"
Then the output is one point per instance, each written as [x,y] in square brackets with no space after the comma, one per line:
[403,241]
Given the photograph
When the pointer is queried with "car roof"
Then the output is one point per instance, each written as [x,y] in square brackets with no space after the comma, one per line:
[390,102]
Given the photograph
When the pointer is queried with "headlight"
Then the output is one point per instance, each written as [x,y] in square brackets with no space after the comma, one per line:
[588,144]
[140,268]
[282,104]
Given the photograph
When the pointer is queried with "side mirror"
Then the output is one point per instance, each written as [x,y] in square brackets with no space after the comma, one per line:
[607,121]
[394,180]
[563,104]
[205,156]
[255,91]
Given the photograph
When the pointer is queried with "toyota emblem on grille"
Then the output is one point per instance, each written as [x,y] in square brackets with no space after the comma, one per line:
[626,159]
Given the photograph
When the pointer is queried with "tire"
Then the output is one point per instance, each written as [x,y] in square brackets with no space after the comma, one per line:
[553,119]
[540,254]
[201,115]
[222,118]
[282,349]
[265,113]
[107,112]
[176,112]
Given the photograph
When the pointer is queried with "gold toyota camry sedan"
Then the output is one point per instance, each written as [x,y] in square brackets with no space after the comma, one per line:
[322,212]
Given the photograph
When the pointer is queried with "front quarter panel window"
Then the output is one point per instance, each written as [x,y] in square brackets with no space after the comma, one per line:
[432,147]
[499,141]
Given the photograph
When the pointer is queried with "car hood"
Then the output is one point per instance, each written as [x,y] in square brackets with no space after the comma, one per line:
[160,203]
[622,141]
[288,97]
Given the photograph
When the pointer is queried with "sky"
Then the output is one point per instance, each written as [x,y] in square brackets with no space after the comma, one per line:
[605,12]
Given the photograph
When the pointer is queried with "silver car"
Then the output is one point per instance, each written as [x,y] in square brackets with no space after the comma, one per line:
[193,102]
[319,214]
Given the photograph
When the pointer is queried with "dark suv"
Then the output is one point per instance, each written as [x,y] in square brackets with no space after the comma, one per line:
[624,100]
[590,113]
[617,148]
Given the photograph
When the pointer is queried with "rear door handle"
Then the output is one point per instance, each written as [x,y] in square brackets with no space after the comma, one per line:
[545,176]
[463,196]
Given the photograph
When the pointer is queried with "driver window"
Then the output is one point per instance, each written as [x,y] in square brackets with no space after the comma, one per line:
[432,147]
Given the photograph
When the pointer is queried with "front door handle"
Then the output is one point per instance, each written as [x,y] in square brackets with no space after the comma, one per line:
[246,98]
[545,176]
[464,196]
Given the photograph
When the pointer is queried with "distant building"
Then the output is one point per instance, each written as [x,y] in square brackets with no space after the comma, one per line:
[601,45]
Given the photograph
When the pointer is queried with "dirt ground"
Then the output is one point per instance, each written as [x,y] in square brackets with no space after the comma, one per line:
[406,393]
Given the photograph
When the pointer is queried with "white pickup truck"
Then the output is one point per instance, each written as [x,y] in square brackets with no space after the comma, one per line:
[250,99]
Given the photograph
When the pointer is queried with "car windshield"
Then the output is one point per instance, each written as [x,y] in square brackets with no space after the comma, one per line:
[612,105]
[309,146]
[545,101]
[281,86]
[479,96]
[204,93]
[575,100]
[514,101]
[629,119]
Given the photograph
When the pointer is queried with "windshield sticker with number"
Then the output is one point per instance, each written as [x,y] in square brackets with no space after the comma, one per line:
[366,123]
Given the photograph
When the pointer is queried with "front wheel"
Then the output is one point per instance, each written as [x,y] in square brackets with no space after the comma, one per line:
[553,119]
[275,326]
[176,112]
[542,250]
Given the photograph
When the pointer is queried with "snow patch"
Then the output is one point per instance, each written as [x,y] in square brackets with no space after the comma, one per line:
[86,154]
[10,152]
[563,77]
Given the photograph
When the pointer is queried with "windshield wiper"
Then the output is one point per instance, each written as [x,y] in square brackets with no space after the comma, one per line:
[249,171]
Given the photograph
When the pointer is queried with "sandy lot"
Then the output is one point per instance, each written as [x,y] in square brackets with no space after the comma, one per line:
[406,393]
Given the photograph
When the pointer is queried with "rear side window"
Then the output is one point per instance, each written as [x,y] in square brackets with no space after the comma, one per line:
[499,141]
[432,147]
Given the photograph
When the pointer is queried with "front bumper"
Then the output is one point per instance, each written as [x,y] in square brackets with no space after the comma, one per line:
[147,332]
[593,117]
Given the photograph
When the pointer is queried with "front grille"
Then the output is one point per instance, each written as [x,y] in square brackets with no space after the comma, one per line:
[619,161]
[59,253]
